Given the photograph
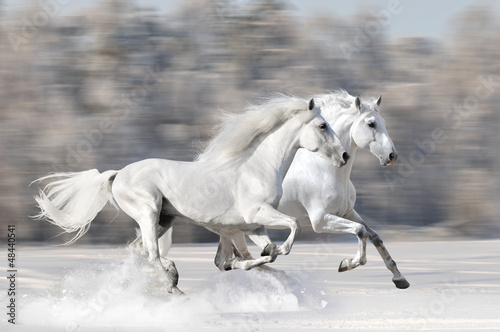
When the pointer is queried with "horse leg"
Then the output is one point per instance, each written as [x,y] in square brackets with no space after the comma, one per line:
[225,249]
[261,239]
[146,212]
[398,279]
[165,241]
[266,215]
[242,259]
[164,267]
[164,235]
[248,262]
[138,246]
[330,223]
[224,253]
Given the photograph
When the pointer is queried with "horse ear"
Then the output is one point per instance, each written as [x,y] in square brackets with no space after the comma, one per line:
[311,104]
[358,103]
[379,100]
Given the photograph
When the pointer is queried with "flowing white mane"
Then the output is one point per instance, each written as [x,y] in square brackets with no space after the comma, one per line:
[339,102]
[237,131]
[340,97]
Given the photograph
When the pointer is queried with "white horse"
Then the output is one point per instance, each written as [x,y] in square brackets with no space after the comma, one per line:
[315,192]
[236,183]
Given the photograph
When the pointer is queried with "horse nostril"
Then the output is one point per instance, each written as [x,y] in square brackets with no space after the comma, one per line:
[345,156]
[391,156]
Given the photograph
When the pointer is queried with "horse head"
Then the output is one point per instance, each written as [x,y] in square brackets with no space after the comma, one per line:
[319,137]
[369,131]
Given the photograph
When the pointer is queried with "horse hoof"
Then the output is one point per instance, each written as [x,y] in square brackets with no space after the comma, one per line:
[270,250]
[228,265]
[401,283]
[344,265]
[177,291]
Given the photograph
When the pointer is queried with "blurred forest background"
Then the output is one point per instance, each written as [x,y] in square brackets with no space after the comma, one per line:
[117,83]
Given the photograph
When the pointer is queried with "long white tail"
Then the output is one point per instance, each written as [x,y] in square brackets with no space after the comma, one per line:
[73,201]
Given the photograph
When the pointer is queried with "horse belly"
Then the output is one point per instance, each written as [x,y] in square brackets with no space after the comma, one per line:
[200,206]
[200,196]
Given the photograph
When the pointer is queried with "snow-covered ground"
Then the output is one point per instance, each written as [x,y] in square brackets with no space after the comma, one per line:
[455,285]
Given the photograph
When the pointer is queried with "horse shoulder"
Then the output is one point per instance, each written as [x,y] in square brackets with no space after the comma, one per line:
[303,187]
[351,192]
[302,179]
[254,187]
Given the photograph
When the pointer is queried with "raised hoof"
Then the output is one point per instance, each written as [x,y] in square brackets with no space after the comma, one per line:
[228,265]
[344,265]
[270,250]
[401,283]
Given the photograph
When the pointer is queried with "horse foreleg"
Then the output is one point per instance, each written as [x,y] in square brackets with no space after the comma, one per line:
[266,215]
[242,259]
[260,237]
[398,279]
[330,223]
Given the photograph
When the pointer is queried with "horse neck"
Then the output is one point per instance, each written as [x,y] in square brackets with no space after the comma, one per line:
[277,149]
[342,123]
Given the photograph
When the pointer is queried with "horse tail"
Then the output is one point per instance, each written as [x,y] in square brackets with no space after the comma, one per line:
[73,201]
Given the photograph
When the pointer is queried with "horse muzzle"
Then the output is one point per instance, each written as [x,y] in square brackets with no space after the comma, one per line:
[342,161]
[392,159]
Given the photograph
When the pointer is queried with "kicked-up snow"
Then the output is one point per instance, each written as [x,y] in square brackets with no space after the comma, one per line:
[454,286]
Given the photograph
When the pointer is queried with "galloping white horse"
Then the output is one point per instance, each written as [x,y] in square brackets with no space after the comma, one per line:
[236,183]
[316,192]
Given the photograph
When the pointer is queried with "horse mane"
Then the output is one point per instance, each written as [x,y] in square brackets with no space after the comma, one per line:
[237,131]
[341,102]
[340,98]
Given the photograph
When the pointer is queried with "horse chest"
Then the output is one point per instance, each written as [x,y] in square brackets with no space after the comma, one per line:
[340,199]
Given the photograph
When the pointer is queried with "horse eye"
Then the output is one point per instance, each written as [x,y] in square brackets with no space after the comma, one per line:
[371,124]
[322,126]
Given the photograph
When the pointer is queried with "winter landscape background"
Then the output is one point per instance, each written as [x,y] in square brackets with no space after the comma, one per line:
[116,82]
[113,82]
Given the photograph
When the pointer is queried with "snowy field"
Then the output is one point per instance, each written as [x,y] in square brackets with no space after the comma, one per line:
[455,285]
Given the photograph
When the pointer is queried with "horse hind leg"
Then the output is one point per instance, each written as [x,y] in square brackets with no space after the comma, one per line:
[147,215]
[164,267]
[225,252]
[164,237]
[233,253]
[172,275]
[138,245]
